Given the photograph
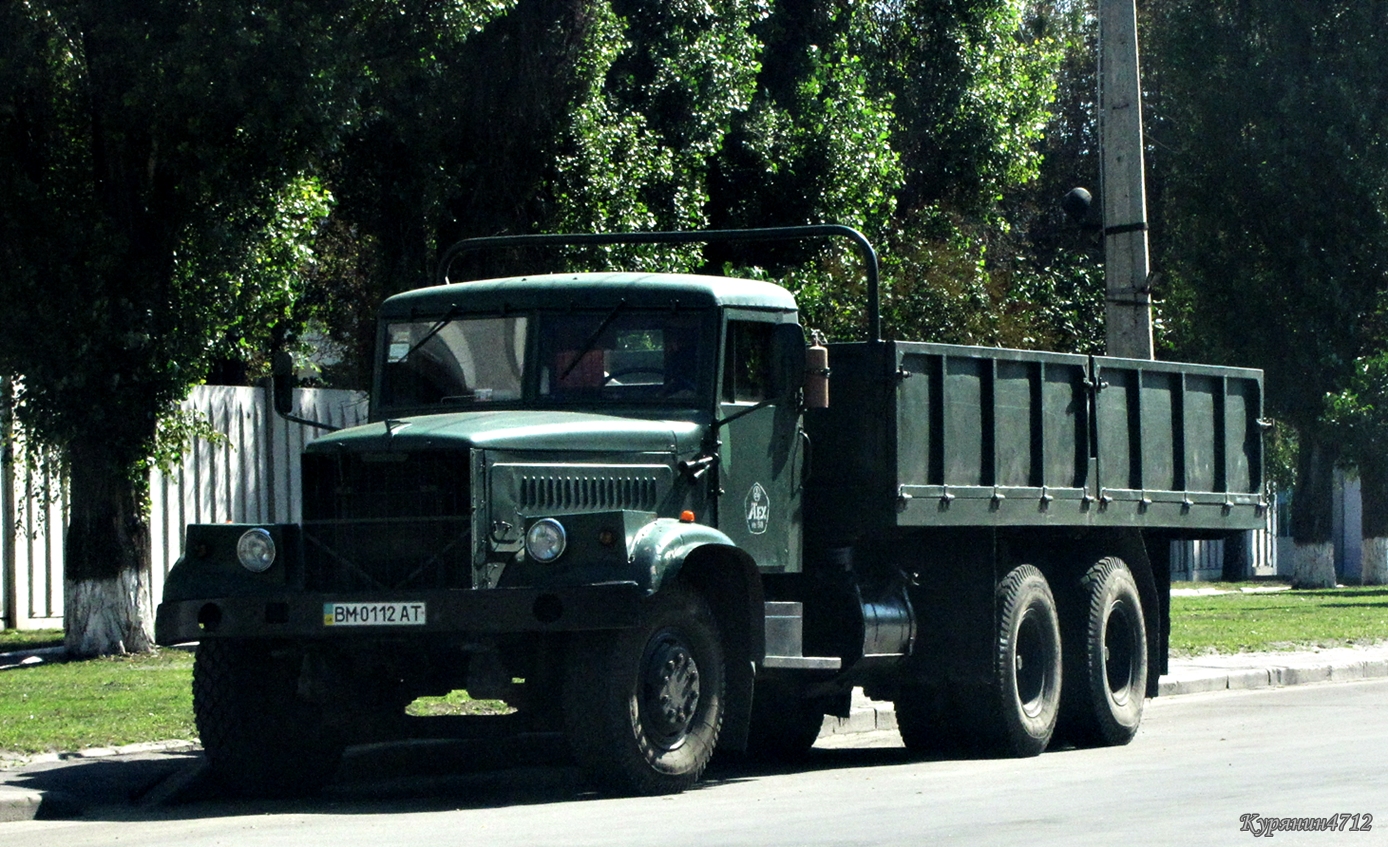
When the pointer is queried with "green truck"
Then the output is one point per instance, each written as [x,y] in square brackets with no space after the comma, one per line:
[625,504]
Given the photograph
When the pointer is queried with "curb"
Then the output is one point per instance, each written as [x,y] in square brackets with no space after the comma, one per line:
[26,804]
[19,804]
[1273,676]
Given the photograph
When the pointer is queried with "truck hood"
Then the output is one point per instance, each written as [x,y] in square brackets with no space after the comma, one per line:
[518,430]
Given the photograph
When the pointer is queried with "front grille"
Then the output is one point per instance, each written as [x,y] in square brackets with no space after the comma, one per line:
[557,491]
[387,521]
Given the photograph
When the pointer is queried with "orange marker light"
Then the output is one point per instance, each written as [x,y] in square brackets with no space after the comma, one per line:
[686,516]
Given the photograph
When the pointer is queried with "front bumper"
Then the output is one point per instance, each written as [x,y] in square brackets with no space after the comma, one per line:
[614,605]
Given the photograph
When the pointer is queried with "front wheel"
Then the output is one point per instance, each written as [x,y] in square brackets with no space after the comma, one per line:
[643,707]
[260,737]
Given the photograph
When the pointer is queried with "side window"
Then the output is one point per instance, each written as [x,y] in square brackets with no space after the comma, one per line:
[747,362]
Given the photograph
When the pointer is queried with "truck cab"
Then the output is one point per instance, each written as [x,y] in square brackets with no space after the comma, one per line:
[552,463]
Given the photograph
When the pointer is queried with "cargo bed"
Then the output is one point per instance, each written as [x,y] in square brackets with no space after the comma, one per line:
[942,435]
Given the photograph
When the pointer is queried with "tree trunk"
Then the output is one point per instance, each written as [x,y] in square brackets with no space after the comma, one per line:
[106,603]
[1313,516]
[1373,494]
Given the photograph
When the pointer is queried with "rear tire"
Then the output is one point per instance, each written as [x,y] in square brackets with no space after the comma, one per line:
[643,707]
[261,739]
[1106,658]
[927,720]
[1025,696]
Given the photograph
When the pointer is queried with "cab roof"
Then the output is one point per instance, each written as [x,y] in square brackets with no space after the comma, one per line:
[594,290]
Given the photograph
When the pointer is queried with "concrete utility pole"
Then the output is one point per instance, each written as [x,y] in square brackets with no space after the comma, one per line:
[1128,313]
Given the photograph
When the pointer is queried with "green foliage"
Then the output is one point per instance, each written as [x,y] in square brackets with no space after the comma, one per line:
[973,83]
[1272,189]
[264,297]
[1273,118]
[151,157]
[1358,413]
[1281,453]
[662,83]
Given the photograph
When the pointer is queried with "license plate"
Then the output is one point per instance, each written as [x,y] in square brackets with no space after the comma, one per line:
[373,614]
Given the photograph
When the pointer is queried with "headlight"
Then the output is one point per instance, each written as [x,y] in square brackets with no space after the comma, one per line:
[256,550]
[546,540]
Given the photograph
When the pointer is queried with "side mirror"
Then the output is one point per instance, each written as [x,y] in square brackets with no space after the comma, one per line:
[282,376]
[788,359]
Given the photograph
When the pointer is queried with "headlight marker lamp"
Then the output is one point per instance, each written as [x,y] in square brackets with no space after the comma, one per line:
[546,540]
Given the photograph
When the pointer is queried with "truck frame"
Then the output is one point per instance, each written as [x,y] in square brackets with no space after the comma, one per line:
[620,503]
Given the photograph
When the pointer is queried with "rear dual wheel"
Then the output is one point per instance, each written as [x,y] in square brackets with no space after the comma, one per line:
[1015,713]
[1027,664]
[1106,657]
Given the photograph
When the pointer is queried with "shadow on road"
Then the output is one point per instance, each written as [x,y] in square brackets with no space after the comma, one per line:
[417,776]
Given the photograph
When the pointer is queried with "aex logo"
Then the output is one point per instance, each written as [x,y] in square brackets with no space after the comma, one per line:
[758,508]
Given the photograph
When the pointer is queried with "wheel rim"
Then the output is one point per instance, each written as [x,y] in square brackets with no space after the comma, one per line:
[669,696]
[1120,653]
[1034,659]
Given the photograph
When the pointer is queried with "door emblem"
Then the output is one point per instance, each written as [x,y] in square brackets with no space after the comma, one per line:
[758,509]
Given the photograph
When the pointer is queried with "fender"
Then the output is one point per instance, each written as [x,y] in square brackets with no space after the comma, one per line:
[660,548]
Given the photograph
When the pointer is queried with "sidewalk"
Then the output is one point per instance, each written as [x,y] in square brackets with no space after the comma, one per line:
[152,772]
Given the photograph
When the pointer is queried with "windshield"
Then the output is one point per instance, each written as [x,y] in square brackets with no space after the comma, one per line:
[579,358]
[451,360]
[622,354]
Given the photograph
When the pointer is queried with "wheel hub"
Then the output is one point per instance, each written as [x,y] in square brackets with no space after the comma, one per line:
[670,687]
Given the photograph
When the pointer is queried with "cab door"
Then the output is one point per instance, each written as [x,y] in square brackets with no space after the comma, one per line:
[761,451]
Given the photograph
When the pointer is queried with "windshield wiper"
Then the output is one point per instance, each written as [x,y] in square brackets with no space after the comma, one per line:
[593,339]
[452,315]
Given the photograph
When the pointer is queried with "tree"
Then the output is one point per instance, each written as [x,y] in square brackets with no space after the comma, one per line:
[907,120]
[1357,418]
[1271,123]
[148,151]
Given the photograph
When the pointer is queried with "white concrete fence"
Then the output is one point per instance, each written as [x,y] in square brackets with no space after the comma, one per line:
[252,477]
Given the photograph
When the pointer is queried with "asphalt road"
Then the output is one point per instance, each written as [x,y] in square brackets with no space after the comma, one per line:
[1198,765]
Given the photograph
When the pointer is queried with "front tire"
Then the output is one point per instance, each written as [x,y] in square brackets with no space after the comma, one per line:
[1106,660]
[643,707]
[260,737]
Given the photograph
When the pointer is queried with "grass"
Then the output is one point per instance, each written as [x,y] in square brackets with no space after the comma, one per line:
[1282,620]
[29,639]
[124,700]
[455,703]
[97,703]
